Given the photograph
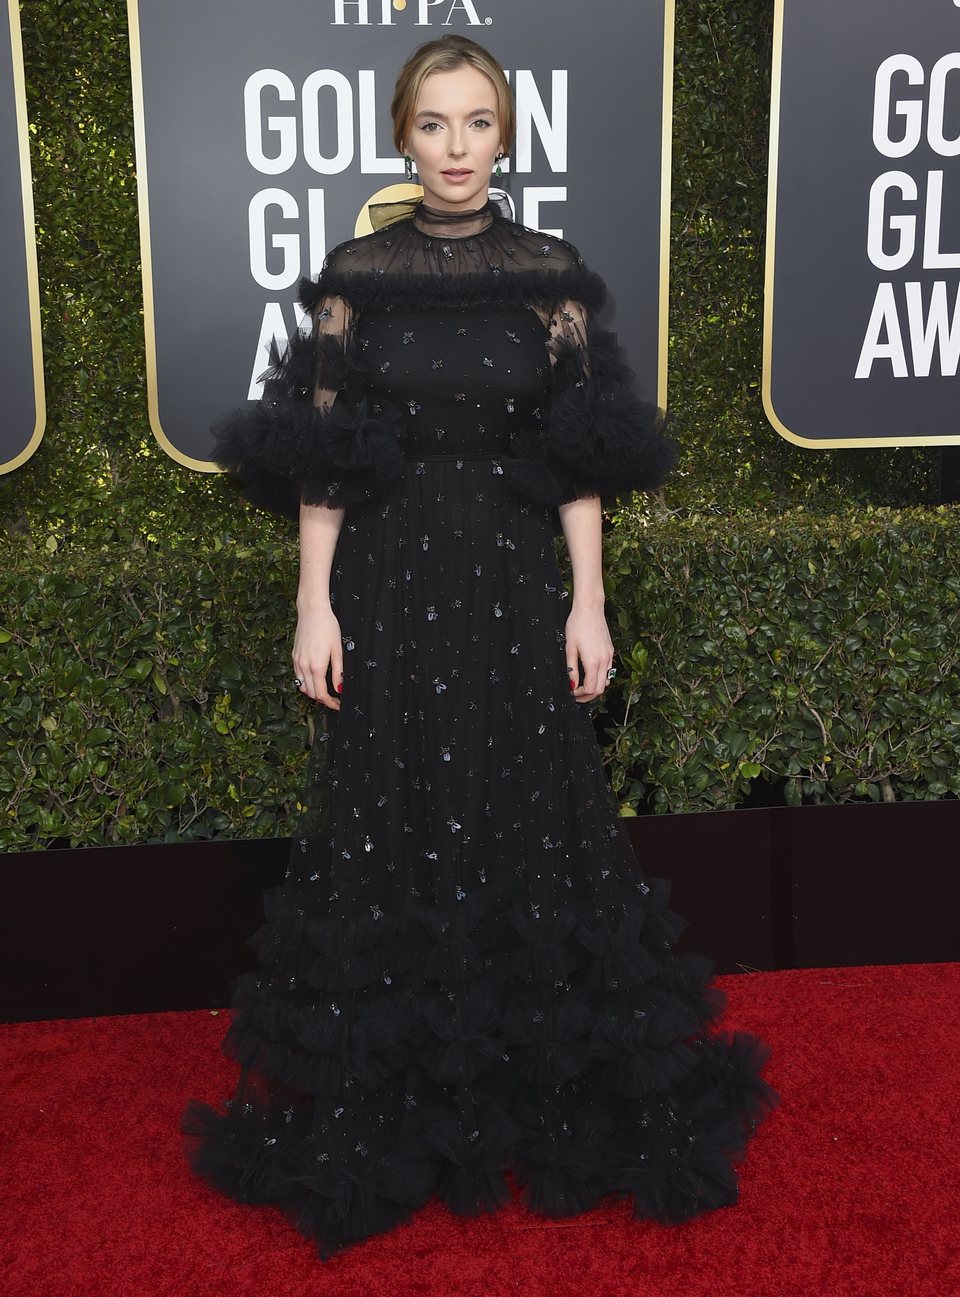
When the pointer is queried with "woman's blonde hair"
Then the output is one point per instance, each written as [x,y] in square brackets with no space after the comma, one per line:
[444,55]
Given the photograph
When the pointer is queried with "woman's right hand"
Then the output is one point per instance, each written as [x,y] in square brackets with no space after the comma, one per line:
[317,646]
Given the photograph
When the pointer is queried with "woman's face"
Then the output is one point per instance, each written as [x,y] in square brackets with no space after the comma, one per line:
[455,127]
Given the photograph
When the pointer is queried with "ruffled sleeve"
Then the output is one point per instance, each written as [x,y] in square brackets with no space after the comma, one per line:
[315,435]
[600,437]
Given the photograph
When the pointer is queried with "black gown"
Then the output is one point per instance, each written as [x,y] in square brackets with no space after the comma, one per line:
[465,970]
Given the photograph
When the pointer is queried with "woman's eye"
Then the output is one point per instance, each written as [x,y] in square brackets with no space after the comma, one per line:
[479,121]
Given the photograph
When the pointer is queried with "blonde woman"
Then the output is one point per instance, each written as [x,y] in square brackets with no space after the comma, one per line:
[465,972]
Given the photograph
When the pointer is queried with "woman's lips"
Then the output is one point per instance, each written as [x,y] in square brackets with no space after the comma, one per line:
[456,175]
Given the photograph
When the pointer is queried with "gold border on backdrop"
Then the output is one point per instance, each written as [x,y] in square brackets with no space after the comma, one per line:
[29,238]
[149,324]
[666,174]
[146,261]
[815,443]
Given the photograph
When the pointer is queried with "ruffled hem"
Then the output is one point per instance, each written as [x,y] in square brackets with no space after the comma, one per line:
[672,1161]
[387,1060]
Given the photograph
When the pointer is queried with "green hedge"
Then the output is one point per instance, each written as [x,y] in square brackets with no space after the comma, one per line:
[150,701]
[817,652]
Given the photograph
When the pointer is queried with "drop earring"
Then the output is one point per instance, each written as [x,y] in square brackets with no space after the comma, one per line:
[408,166]
[499,171]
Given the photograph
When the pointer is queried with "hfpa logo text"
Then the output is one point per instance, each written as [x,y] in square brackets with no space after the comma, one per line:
[430,13]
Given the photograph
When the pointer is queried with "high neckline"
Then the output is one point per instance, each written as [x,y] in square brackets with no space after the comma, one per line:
[435,219]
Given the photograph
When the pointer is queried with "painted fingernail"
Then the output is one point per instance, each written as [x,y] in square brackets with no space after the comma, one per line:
[340,687]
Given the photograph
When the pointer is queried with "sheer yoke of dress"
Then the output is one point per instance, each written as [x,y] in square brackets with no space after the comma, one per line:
[466,969]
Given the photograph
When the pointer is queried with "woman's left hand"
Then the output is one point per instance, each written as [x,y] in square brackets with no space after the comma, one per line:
[588,641]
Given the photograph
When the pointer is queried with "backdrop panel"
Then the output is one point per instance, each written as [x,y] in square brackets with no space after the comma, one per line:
[21,348]
[862,320]
[264,131]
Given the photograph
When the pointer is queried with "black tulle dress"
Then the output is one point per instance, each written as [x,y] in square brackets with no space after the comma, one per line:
[465,970]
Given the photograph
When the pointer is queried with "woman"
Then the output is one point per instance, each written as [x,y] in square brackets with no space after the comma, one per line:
[465,970]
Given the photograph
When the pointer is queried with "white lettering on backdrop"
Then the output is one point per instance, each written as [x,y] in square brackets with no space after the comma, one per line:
[915,337]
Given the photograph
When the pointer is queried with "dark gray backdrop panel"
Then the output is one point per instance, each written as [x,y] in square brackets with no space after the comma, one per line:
[824,283]
[195,58]
[19,425]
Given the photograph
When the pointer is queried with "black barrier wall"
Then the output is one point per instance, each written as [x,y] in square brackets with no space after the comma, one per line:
[146,929]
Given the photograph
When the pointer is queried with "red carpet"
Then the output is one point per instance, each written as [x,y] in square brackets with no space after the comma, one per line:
[849,1188]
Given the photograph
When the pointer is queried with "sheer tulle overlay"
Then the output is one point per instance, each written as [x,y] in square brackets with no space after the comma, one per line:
[465,969]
